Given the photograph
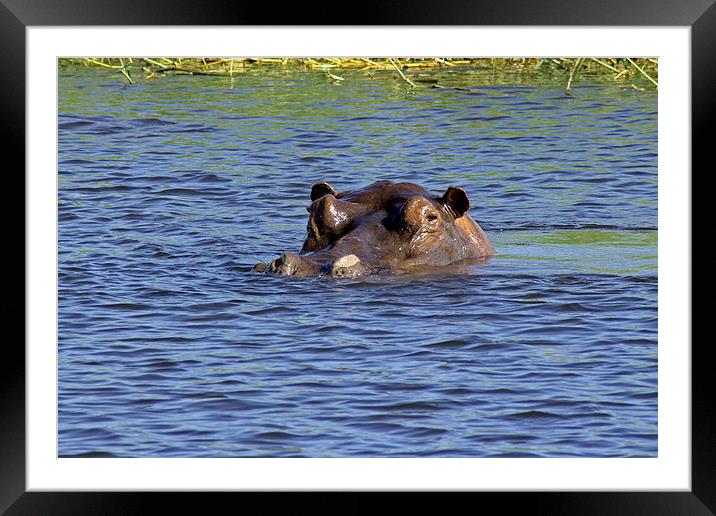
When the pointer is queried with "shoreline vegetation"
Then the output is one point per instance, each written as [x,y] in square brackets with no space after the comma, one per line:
[624,70]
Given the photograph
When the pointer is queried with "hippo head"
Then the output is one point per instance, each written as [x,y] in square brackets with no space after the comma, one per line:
[384,227]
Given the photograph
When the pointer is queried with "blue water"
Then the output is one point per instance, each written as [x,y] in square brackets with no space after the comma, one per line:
[170,190]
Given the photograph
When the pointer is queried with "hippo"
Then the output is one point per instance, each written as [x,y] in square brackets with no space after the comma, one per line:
[385,227]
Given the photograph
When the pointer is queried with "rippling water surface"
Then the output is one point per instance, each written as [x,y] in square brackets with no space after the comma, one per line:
[169,345]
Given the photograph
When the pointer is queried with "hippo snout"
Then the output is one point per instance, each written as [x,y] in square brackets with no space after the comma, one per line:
[292,264]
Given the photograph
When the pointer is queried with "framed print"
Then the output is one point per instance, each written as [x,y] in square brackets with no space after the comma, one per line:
[540,344]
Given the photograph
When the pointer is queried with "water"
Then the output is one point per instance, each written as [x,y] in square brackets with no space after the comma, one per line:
[170,346]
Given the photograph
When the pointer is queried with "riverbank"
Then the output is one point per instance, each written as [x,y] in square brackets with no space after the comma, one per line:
[638,73]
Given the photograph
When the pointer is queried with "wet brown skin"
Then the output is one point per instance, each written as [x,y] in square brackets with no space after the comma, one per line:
[385,227]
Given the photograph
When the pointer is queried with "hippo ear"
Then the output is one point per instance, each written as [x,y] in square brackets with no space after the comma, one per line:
[320,189]
[456,199]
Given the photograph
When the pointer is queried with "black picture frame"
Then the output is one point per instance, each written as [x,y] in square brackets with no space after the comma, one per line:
[700,15]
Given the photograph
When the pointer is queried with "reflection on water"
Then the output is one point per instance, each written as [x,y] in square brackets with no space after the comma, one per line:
[171,190]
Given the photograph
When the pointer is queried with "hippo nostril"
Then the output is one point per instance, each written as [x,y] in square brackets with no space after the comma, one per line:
[290,258]
[431,217]
[346,261]
[286,264]
[345,266]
